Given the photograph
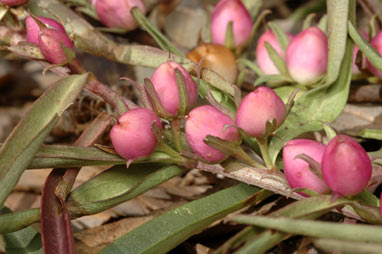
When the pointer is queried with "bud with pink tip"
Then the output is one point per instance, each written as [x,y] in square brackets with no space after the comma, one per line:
[225,12]
[116,13]
[33,29]
[297,170]
[346,167]
[132,136]
[307,56]
[376,42]
[13,2]
[164,81]
[51,42]
[207,120]
[262,57]
[257,108]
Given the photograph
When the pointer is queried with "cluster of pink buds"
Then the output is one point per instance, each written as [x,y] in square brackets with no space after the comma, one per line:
[345,166]
[13,2]
[116,13]
[50,36]
[234,11]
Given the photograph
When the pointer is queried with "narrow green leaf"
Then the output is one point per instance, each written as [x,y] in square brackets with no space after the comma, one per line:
[163,233]
[26,240]
[217,81]
[281,36]
[323,23]
[308,21]
[162,41]
[338,13]
[339,231]
[370,133]
[347,247]
[251,65]
[14,221]
[369,51]
[23,143]
[229,37]
[117,185]
[308,208]
[272,80]
[277,60]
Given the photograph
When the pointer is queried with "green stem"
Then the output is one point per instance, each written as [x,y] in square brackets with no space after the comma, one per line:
[263,144]
[175,131]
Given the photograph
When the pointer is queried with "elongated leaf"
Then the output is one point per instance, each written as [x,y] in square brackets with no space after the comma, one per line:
[347,247]
[277,60]
[370,133]
[26,240]
[339,231]
[55,221]
[117,185]
[338,13]
[308,208]
[251,65]
[163,233]
[22,144]
[272,79]
[369,51]
[162,41]
[14,221]
[281,36]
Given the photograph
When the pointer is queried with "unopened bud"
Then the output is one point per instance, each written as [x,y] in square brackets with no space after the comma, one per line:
[346,167]
[297,171]
[234,11]
[33,29]
[217,58]
[207,120]
[132,136]
[164,81]
[116,13]
[307,56]
[257,109]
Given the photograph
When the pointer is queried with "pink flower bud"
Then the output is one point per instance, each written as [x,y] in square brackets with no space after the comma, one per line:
[132,135]
[116,13]
[165,85]
[297,170]
[207,120]
[13,2]
[376,42]
[33,28]
[257,108]
[262,57]
[307,56]
[225,12]
[346,167]
[50,41]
